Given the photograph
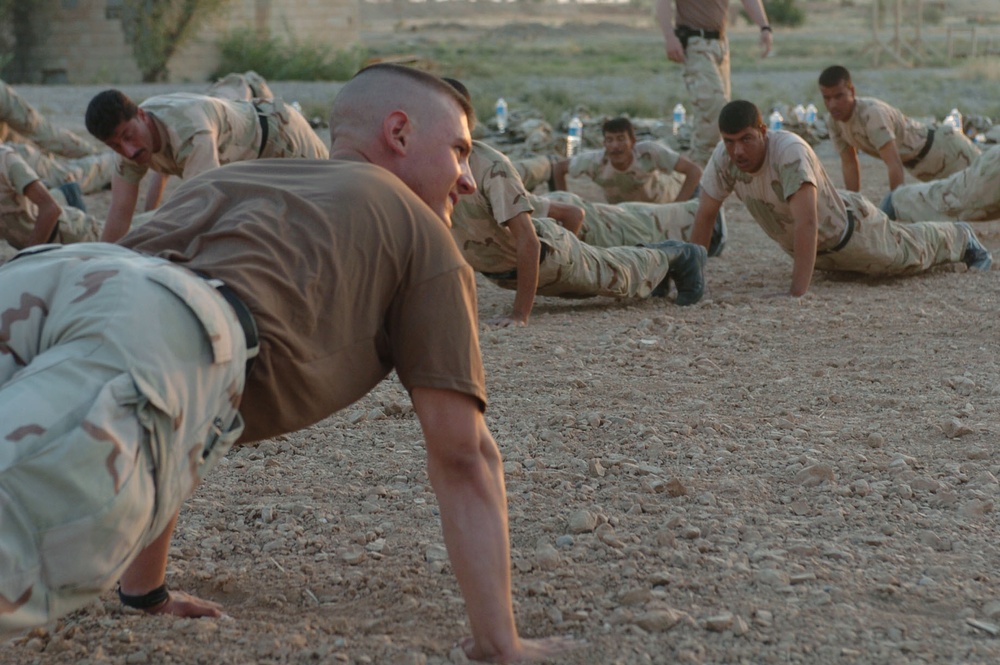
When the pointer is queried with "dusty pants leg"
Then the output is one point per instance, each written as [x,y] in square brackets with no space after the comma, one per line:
[971,195]
[706,76]
[109,389]
[26,121]
[880,246]
[574,269]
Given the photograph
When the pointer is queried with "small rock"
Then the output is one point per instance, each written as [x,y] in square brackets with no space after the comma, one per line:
[719,622]
[595,468]
[676,488]
[436,553]
[815,474]
[582,521]
[547,557]
[658,621]
[954,428]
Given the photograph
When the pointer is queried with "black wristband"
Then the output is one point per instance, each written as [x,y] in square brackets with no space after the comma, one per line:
[157,596]
[766,28]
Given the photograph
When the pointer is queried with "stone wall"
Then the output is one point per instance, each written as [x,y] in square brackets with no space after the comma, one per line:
[82,41]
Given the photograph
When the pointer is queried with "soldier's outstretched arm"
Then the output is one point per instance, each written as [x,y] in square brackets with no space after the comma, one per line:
[704,219]
[48,212]
[124,196]
[466,471]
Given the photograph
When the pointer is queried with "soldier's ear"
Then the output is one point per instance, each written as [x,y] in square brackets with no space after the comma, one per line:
[396,131]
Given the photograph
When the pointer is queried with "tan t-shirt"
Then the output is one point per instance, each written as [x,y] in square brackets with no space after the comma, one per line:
[788,164]
[647,179]
[479,223]
[348,275]
[874,124]
[197,133]
[704,14]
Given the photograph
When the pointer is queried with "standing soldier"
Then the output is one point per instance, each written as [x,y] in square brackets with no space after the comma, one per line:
[697,40]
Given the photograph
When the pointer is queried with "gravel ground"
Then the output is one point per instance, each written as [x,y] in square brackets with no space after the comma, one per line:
[752,479]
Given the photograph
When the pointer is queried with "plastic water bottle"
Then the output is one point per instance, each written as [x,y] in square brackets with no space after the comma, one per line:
[800,113]
[953,119]
[502,115]
[679,115]
[574,136]
[811,114]
[774,120]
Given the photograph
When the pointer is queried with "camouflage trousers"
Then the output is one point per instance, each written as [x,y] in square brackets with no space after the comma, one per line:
[241,87]
[573,269]
[288,133]
[971,195]
[706,77]
[880,246]
[120,376]
[17,116]
[951,151]
[92,173]
[606,225]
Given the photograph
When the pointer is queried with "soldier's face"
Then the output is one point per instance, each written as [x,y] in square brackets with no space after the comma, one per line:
[839,100]
[618,148]
[133,139]
[747,148]
[436,166]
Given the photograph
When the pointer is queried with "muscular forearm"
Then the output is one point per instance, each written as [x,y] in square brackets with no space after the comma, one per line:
[149,569]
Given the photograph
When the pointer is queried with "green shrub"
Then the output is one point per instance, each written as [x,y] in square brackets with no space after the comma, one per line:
[782,12]
[282,60]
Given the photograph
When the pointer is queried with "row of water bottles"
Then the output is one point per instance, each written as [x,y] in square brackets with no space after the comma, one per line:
[574,137]
[803,114]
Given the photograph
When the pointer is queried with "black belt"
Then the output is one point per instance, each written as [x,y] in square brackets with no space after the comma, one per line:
[843,241]
[512,274]
[243,315]
[910,163]
[263,132]
[683,33]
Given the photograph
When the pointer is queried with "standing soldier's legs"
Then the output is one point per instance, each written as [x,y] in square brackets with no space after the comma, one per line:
[971,195]
[706,76]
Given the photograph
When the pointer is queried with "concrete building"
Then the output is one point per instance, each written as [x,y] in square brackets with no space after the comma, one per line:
[83,41]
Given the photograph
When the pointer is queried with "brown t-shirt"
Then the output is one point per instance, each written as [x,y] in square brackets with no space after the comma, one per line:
[348,275]
[704,14]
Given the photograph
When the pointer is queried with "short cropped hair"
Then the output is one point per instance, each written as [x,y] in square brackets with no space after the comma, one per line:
[619,125]
[834,75]
[428,80]
[738,115]
[462,90]
[106,111]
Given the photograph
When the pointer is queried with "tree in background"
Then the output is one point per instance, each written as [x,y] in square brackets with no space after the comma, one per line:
[157,28]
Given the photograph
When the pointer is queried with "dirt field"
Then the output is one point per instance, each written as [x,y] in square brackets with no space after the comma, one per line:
[754,479]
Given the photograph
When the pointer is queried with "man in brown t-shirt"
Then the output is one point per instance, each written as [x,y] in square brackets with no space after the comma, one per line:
[330,297]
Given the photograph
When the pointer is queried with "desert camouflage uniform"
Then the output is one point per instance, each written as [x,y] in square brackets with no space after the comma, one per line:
[569,267]
[875,123]
[91,173]
[241,87]
[88,384]
[20,118]
[199,132]
[18,213]
[971,195]
[706,77]
[534,171]
[649,179]
[877,246]
[607,225]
